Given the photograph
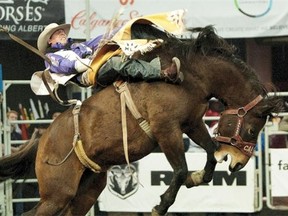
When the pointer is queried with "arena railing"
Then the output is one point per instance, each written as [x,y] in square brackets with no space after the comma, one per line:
[7,198]
[276,154]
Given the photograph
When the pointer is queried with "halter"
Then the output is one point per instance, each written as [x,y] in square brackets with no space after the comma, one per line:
[236,140]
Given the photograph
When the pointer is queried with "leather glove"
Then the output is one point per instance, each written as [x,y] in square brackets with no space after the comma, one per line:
[82,65]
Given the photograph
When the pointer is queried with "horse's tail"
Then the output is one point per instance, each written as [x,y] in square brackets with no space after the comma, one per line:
[20,163]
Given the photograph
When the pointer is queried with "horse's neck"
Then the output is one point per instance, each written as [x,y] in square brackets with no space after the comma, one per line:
[224,81]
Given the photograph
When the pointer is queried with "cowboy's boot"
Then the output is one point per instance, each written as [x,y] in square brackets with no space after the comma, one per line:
[173,73]
[82,79]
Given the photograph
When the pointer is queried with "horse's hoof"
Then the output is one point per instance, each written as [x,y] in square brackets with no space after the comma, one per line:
[196,178]
[155,213]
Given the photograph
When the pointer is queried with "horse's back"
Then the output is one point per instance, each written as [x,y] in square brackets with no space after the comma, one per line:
[163,105]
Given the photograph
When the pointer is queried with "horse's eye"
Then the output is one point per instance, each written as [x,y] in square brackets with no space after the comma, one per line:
[251,132]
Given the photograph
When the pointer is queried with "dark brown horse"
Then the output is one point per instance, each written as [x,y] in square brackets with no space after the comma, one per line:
[210,69]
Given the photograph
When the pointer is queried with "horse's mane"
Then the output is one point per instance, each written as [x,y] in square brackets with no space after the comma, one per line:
[209,44]
[206,43]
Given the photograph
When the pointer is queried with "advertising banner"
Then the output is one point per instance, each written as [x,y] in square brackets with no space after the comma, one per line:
[27,18]
[139,189]
[279,172]
[231,18]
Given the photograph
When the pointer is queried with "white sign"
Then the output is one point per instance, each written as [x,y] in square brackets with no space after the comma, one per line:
[279,172]
[129,191]
[231,18]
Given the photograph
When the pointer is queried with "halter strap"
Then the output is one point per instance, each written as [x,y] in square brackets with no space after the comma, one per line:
[242,111]
[236,140]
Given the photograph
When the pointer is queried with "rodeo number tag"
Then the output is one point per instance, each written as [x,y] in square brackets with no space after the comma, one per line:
[123,181]
[248,148]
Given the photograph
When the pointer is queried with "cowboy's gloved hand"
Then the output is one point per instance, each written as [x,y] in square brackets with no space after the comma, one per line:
[82,65]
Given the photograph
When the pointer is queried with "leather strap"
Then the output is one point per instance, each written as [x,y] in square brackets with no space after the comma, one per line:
[28,46]
[243,110]
[122,88]
[236,140]
[77,143]
[53,94]
[126,100]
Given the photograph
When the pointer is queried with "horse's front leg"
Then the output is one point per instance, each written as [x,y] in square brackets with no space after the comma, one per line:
[201,136]
[173,147]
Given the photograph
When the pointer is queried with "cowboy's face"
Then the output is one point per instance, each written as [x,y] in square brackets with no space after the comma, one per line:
[58,36]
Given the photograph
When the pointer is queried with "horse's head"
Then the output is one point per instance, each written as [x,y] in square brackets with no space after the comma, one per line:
[238,130]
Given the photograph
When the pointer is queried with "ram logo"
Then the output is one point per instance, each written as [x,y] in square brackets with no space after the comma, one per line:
[123,180]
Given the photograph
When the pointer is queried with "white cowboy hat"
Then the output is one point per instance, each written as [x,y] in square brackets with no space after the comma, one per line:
[42,42]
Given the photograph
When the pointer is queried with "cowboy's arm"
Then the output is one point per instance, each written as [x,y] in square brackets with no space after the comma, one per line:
[68,64]
[93,43]
[86,49]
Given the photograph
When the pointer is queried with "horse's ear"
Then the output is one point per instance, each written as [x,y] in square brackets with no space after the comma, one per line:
[269,106]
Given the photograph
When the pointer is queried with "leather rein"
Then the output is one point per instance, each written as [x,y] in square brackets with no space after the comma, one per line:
[236,140]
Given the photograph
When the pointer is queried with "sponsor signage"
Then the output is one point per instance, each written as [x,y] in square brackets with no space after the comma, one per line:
[231,18]
[139,189]
[279,172]
[27,18]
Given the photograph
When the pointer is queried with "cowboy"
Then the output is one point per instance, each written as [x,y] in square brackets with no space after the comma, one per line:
[73,59]
[70,58]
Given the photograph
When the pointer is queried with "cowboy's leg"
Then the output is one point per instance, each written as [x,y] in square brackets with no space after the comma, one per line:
[136,69]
